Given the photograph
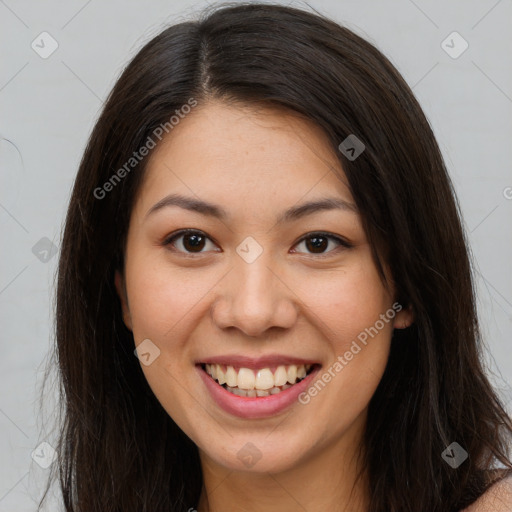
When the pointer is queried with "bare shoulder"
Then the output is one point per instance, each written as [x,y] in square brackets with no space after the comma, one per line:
[498,498]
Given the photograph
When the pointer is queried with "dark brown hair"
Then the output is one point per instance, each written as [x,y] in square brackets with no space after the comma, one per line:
[118,449]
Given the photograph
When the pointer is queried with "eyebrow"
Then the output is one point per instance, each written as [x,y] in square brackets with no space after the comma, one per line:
[212,210]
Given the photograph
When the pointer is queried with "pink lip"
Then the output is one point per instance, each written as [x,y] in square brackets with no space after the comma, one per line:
[257,407]
[268,361]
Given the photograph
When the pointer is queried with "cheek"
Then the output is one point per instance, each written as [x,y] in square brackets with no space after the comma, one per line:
[163,303]
[347,301]
[357,323]
[161,297]
[347,382]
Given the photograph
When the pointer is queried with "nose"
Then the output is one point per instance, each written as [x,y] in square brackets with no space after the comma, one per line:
[254,297]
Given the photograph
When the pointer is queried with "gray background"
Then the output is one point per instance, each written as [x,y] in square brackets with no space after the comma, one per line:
[48,107]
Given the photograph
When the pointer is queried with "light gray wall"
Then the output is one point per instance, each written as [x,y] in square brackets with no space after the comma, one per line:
[48,107]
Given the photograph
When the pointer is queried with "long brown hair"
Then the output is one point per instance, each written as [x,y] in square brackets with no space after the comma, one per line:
[118,449]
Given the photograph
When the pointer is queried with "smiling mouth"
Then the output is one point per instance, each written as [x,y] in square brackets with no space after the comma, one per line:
[252,383]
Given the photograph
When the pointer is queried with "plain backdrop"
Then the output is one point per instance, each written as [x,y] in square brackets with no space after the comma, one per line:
[48,107]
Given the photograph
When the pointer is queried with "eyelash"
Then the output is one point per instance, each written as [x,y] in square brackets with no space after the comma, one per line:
[343,243]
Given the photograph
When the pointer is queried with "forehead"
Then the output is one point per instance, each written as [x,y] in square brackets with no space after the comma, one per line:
[246,157]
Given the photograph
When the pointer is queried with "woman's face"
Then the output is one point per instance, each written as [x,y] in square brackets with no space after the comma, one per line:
[261,290]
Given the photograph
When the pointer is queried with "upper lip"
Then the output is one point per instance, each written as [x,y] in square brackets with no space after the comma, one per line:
[265,361]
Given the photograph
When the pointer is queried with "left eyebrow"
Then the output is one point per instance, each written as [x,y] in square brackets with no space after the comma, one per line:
[213,210]
[325,204]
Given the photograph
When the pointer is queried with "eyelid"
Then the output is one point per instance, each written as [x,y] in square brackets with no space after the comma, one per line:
[340,240]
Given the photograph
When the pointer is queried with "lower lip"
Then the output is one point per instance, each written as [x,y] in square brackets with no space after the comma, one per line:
[255,407]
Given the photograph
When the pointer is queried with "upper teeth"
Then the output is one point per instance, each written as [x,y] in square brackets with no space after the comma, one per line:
[245,378]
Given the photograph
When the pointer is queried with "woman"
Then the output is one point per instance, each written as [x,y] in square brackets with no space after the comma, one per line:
[264,292]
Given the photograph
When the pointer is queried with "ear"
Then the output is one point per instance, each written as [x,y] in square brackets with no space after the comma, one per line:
[404,318]
[121,292]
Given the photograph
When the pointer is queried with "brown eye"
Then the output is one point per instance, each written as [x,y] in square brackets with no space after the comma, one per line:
[188,241]
[317,243]
[194,242]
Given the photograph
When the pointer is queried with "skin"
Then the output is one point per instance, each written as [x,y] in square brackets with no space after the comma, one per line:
[498,498]
[290,300]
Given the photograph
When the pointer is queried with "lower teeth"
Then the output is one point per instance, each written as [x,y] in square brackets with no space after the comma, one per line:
[252,393]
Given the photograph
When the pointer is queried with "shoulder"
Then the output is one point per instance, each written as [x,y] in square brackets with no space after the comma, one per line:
[498,498]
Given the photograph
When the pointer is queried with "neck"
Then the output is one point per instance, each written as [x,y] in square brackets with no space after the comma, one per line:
[326,479]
